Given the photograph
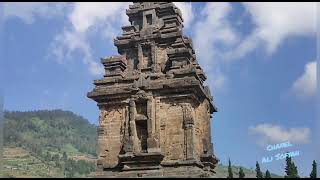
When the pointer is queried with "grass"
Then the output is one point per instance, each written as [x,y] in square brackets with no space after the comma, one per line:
[70,150]
[19,163]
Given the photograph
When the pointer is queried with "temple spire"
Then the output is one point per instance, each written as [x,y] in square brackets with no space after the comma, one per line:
[153,100]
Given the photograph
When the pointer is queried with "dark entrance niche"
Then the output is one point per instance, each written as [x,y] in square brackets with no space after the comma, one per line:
[141,110]
[141,124]
[146,57]
[142,133]
[149,19]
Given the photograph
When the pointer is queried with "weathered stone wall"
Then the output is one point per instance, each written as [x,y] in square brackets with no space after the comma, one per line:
[111,122]
[172,134]
[168,119]
[161,55]
[201,125]
[172,131]
[132,59]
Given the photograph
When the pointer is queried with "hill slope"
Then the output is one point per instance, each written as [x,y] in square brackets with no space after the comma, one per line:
[56,139]
[54,130]
[56,143]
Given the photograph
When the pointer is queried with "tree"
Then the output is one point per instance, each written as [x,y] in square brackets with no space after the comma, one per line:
[69,169]
[64,157]
[48,156]
[56,159]
[313,173]
[241,173]
[294,170]
[291,169]
[268,175]
[230,174]
[50,132]
[288,168]
[258,171]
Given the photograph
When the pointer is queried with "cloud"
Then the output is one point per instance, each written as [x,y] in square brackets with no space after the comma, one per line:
[84,19]
[269,133]
[28,12]
[306,84]
[65,45]
[88,14]
[274,23]
[215,36]
[187,13]
[210,46]
[102,19]
[218,41]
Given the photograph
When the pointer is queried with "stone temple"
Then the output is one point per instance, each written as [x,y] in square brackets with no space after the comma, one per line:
[155,111]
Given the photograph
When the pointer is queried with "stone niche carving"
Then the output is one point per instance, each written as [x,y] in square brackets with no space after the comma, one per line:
[146,57]
[188,122]
[155,110]
[141,121]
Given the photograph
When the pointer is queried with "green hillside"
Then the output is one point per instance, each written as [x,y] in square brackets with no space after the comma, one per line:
[56,143]
[48,144]
[54,130]
[18,162]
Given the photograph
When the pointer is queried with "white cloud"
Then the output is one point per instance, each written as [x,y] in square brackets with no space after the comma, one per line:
[217,41]
[274,23]
[102,19]
[67,43]
[187,13]
[212,32]
[29,11]
[217,80]
[269,133]
[84,19]
[306,84]
[215,36]
[89,14]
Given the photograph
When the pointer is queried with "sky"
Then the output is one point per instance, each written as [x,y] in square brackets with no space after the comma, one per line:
[260,59]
